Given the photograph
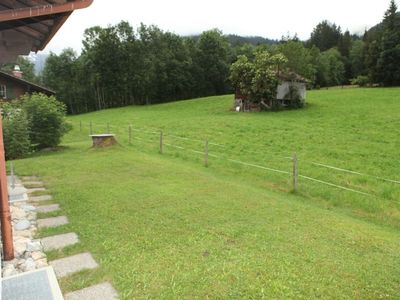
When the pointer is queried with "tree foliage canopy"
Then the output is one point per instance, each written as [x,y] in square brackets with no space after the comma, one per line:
[257,79]
[121,66]
[382,49]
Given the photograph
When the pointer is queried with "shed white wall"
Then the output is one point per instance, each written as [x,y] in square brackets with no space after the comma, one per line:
[283,89]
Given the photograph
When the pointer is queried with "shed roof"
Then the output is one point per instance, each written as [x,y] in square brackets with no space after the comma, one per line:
[35,87]
[28,25]
[291,76]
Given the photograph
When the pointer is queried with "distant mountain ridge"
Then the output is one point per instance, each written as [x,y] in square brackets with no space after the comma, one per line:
[254,40]
[39,60]
[236,40]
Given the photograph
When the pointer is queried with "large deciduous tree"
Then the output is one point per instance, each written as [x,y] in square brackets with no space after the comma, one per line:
[299,59]
[331,69]
[257,79]
[59,74]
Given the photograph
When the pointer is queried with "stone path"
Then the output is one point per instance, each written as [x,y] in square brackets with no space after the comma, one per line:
[23,218]
[36,189]
[28,178]
[60,241]
[47,208]
[52,222]
[28,251]
[72,264]
[104,291]
[34,183]
[40,198]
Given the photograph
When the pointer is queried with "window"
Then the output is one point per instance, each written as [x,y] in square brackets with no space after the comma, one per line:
[3,91]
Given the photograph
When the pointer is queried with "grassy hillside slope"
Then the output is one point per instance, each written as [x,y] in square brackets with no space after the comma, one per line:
[163,226]
[353,129]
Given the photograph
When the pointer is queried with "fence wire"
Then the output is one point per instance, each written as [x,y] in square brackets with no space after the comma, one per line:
[149,137]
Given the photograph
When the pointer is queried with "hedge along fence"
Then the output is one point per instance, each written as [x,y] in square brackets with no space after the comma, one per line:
[296,173]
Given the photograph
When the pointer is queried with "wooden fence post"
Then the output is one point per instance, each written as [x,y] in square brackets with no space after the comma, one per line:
[91,128]
[206,154]
[130,134]
[295,174]
[161,142]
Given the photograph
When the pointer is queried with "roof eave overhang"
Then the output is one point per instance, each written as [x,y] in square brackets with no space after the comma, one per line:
[42,10]
[57,12]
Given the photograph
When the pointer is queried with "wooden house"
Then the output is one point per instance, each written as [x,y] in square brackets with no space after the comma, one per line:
[14,86]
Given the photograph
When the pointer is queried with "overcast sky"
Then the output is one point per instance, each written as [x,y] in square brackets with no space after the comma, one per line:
[271,19]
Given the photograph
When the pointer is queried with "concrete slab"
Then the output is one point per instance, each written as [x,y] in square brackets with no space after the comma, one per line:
[14,179]
[40,198]
[34,183]
[37,189]
[59,241]
[15,188]
[17,194]
[52,222]
[47,208]
[39,284]
[72,264]
[29,178]
[104,291]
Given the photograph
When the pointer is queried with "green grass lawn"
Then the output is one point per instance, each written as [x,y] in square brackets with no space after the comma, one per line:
[352,129]
[164,226]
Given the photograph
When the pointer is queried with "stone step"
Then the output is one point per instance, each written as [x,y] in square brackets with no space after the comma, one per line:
[29,178]
[40,198]
[37,189]
[47,208]
[34,183]
[60,241]
[72,264]
[13,179]
[52,222]
[104,291]
[17,194]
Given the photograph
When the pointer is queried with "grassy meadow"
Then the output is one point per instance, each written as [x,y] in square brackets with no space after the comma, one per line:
[165,226]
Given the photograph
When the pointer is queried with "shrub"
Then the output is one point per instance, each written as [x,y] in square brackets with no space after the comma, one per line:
[360,80]
[16,132]
[294,96]
[46,119]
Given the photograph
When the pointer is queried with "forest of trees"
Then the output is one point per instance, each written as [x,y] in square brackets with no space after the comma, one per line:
[121,66]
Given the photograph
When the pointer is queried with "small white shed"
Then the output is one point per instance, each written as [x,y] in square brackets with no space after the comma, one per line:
[284,90]
[291,93]
[291,85]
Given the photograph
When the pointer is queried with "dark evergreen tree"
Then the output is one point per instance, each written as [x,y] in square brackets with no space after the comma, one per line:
[388,67]
[345,43]
[325,36]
